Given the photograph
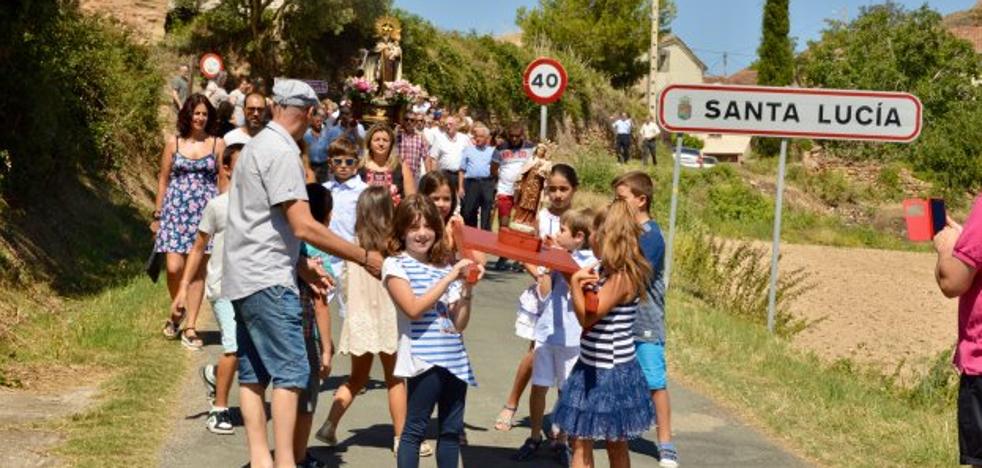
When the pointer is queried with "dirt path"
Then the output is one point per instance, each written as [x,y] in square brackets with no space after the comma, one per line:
[880,307]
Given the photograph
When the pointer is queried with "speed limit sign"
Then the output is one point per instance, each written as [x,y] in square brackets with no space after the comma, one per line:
[211,65]
[544,80]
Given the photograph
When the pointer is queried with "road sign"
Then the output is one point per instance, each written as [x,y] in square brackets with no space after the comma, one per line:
[790,112]
[544,80]
[210,65]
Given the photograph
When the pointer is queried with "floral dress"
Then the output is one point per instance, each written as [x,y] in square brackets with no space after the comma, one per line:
[193,182]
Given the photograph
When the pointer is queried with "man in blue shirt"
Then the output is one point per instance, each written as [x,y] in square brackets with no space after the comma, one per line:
[317,153]
[475,184]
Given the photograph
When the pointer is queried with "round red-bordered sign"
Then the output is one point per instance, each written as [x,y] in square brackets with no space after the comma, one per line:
[211,65]
[544,80]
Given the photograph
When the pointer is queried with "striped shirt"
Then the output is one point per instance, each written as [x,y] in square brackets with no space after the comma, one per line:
[432,339]
[610,342]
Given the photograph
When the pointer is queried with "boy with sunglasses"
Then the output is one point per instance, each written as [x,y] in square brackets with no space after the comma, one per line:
[345,187]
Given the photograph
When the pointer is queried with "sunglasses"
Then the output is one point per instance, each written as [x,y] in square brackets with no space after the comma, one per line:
[344,161]
[257,110]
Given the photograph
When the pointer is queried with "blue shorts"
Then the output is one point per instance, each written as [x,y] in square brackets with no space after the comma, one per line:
[269,331]
[225,316]
[651,356]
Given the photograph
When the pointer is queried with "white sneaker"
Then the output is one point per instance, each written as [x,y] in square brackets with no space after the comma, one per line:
[220,422]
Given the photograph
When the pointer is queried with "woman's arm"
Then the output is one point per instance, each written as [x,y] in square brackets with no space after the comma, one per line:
[196,257]
[415,306]
[163,177]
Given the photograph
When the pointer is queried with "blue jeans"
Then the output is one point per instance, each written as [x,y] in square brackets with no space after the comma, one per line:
[269,331]
[435,387]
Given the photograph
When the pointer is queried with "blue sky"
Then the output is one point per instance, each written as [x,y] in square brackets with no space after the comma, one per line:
[732,27]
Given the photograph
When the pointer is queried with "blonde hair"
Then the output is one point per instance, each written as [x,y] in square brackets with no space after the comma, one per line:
[392,162]
[618,234]
[373,217]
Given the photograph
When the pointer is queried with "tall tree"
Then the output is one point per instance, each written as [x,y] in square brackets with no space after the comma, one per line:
[775,66]
[610,35]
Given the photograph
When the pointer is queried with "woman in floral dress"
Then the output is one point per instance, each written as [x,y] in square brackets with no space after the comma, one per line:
[187,180]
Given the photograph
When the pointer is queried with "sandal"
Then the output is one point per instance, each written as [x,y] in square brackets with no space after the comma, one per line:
[528,449]
[171,330]
[192,342]
[505,424]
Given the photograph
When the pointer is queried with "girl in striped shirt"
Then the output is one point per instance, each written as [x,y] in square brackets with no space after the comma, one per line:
[435,309]
[605,396]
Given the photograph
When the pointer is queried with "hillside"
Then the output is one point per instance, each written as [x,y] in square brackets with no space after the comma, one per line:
[144,16]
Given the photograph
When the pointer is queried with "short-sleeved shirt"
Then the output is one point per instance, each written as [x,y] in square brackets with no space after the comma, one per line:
[180,84]
[413,148]
[649,130]
[475,161]
[548,223]
[345,198]
[558,325]
[261,250]
[510,162]
[447,151]
[968,249]
[316,153]
[622,126]
[213,222]
[650,323]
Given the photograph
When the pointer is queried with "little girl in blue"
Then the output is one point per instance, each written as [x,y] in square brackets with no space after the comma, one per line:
[434,309]
[605,396]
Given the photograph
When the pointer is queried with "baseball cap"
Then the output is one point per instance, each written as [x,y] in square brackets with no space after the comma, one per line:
[288,92]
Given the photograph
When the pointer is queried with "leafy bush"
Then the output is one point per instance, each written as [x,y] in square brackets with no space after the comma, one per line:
[829,185]
[77,95]
[733,276]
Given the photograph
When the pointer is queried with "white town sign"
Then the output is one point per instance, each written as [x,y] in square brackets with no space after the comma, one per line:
[790,112]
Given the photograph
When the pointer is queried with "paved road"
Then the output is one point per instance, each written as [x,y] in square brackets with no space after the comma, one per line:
[705,434]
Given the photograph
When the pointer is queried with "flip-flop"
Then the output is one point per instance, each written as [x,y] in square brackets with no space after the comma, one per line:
[171,330]
[504,425]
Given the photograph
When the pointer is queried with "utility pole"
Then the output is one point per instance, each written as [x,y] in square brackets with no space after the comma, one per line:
[653,60]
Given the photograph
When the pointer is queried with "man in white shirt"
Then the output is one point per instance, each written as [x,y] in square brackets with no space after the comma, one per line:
[649,138]
[237,98]
[622,130]
[268,218]
[445,153]
[254,109]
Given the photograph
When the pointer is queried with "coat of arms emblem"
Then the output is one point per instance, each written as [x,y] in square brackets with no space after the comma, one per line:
[685,108]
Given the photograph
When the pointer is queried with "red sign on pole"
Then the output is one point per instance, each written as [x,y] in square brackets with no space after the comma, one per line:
[544,80]
[211,65]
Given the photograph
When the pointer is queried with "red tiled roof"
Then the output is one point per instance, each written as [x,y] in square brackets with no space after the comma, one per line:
[746,76]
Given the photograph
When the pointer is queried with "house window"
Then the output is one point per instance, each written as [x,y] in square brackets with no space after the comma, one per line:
[662,60]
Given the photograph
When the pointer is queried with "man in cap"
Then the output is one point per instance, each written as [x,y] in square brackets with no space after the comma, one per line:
[268,218]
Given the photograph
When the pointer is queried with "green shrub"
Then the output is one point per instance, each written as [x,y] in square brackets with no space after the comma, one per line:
[77,95]
[733,276]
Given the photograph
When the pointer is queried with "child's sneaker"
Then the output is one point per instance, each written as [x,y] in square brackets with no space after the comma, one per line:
[208,376]
[220,422]
[668,457]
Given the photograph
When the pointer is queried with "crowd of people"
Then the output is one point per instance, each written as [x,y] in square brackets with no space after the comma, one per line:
[297,205]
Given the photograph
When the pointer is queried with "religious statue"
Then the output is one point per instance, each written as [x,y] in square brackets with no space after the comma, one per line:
[530,187]
[384,63]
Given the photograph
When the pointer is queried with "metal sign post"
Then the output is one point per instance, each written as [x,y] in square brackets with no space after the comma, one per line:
[543,121]
[672,213]
[776,248]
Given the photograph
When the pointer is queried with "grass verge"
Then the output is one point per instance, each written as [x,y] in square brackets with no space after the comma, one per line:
[836,415]
[115,331]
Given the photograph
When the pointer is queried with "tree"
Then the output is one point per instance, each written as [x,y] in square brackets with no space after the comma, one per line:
[775,66]
[611,36]
[291,36]
[892,49]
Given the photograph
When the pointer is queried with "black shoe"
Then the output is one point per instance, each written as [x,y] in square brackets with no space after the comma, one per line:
[500,265]
[517,267]
[220,422]
[527,450]
[562,453]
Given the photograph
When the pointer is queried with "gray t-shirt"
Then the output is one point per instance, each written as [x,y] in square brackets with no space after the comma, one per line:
[179,84]
[260,248]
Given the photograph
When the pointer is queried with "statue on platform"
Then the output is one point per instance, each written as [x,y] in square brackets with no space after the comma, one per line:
[530,186]
[384,63]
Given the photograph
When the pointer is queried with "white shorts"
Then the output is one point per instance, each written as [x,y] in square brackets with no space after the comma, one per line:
[552,364]
[528,314]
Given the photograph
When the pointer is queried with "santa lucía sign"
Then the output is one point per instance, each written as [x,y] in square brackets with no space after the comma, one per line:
[791,112]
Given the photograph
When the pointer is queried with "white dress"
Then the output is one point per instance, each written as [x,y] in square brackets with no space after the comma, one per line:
[370,324]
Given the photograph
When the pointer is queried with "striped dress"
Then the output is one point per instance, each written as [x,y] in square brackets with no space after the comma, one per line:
[433,338]
[606,396]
